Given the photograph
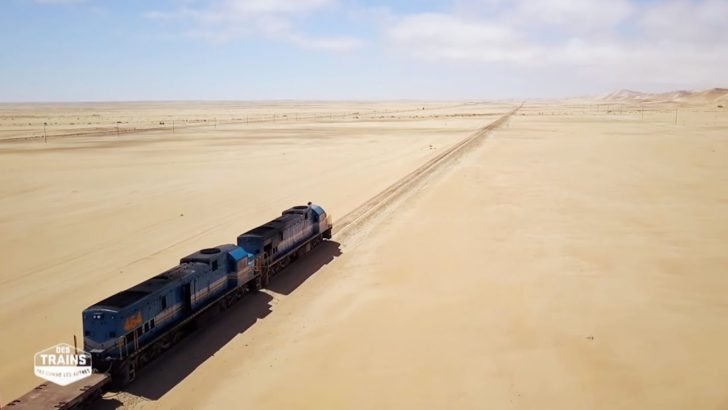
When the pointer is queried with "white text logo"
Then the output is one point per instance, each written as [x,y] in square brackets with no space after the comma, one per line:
[63,364]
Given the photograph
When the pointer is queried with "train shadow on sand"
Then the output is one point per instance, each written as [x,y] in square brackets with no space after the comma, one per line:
[181,360]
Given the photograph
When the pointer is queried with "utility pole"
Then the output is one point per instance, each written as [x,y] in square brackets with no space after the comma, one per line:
[45,135]
[675,115]
[172,126]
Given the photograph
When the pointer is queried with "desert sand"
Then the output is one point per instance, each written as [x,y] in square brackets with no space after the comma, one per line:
[574,258]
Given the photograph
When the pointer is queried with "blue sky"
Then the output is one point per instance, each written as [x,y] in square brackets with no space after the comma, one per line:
[82,50]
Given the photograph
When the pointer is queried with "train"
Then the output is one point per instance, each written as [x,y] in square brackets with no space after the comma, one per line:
[127,330]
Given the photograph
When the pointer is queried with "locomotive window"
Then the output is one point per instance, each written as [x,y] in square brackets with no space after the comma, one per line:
[151,324]
[87,333]
[146,327]
[112,334]
[129,337]
[164,302]
[139,331]
[214,265]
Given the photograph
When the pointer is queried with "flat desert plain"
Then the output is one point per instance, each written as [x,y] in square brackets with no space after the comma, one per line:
[572,258]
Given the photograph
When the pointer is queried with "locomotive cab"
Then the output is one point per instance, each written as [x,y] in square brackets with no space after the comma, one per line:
[100,328]
[322,220]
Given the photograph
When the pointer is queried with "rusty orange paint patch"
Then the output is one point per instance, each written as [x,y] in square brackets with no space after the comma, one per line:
[133,321]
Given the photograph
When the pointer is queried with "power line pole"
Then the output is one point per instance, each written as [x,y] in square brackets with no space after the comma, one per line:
[45,135]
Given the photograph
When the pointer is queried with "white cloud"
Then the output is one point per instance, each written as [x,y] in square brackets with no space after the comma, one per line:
[686,21]
[574,15]
[226,20]
[675,42]
[665,42]
[435,36]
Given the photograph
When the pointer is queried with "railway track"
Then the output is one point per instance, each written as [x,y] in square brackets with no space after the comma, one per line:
[382,199]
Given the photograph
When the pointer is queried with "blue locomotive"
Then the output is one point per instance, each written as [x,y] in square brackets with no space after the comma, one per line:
[125,331]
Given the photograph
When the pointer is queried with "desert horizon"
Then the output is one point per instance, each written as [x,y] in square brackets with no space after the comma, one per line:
[709,93]
[21,123]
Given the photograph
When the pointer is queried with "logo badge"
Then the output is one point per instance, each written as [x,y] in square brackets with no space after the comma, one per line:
[63,364]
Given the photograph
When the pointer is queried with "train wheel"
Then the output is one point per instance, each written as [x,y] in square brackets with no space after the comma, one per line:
[257,283]
[132,371]
[125,373]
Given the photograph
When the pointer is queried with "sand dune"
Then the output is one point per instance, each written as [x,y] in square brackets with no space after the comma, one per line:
[692,97]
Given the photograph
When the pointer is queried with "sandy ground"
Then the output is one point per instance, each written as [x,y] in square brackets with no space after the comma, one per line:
[34,121]
[574,259]
[85,216]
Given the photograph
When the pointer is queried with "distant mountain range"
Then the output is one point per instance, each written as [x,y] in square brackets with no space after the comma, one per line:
[711,95]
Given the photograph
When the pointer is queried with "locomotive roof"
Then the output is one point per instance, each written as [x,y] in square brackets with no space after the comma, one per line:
[135,293]
[122,299]
[207,254]
[281,221]
[272,226]
[299,209]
